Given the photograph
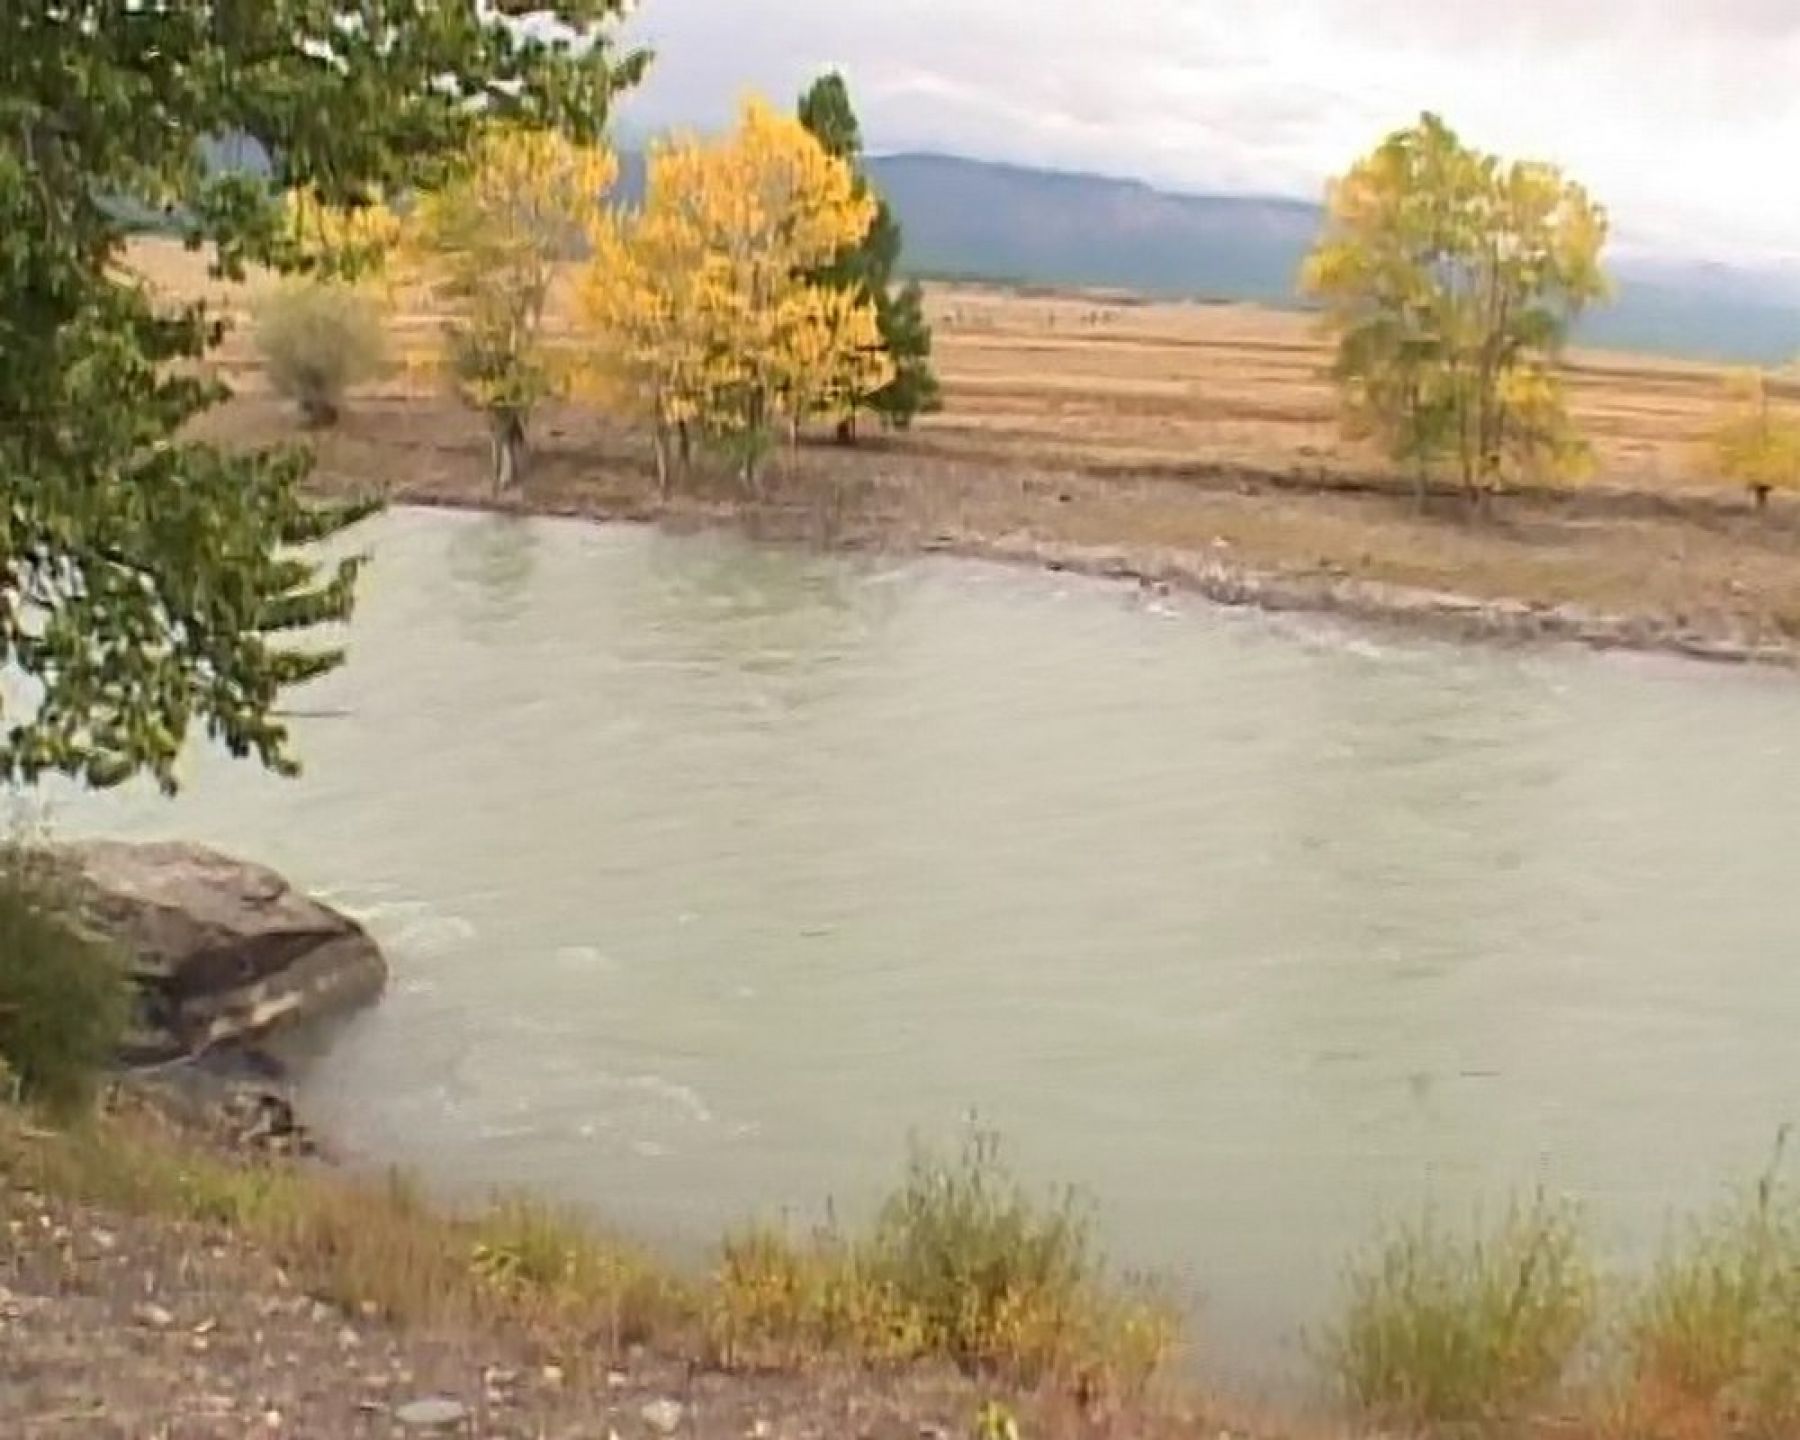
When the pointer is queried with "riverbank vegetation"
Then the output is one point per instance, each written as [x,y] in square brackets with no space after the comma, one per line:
[962,1264]
[1505,1329]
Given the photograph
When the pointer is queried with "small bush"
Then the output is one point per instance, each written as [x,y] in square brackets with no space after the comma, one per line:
[576,1275]
[64,995]
[961,1264]
[317,341]
[992,1273]
[1715,1333]
[1446,1329]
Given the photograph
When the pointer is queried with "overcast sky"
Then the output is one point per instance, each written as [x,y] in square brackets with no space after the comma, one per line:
[1683,116]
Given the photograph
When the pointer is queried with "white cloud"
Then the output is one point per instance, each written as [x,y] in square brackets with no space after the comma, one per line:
[1682,115]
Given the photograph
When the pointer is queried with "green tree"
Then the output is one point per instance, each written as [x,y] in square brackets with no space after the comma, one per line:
[151,583]
[868,269]
[1450,280]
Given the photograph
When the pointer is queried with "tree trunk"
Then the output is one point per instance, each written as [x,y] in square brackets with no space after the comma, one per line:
[1761,492]
[846,429]
[686,437]
[317,412]
[661,440]
[508,439]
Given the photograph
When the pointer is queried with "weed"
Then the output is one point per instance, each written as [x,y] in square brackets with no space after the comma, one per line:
[1441,1328]
[64,994]
[961,1264]
[1715,1332]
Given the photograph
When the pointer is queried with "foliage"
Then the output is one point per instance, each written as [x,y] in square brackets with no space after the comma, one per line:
[700,304]
[1440,1328]
[318,339]
[64,995]
[1715,1333]
[1450,280]
[487,246]
[866,271]
[961,1264]
[151,580]
[1754,443]
[575,1275]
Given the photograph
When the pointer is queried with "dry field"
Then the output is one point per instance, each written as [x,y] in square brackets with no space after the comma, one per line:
[1166,385]
[1206,434]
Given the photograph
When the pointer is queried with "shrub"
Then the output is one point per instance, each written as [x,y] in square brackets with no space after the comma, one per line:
[317,341]
[64,995]
[961,1264]
[575,1275]
[991,1272]
[1715,1333]
[1464,1329]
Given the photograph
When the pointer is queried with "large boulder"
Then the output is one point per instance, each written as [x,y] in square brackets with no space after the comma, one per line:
[224,952]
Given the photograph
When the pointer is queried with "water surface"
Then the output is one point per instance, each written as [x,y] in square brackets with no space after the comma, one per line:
[711,871]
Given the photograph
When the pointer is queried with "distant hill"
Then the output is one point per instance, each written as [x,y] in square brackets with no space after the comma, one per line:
[977,219]
[1008,222]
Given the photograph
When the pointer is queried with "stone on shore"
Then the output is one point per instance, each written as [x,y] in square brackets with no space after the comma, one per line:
[223,951]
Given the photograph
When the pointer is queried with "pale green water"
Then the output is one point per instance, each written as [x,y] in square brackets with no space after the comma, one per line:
[709,871]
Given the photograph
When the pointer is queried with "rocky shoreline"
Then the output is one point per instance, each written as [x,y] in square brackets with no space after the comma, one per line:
[1440,613]
[1217,577]
[226,959]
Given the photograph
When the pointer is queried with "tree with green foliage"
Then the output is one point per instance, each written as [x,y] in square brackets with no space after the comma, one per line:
[868,269]
[151,582]
[1450,280]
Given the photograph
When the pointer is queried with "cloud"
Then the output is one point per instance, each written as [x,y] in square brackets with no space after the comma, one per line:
[1681,114]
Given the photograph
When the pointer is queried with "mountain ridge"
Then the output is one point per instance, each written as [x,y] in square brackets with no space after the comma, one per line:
[1009,222]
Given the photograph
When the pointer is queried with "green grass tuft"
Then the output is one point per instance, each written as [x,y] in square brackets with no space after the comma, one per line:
[1441,1328]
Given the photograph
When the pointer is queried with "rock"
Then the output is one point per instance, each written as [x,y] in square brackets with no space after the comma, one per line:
[662,1416]
[152,1315]
[222,950]
[434,1412]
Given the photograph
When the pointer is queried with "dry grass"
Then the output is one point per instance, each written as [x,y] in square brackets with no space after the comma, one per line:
[964,1268]
[369,1246]
[1153,430]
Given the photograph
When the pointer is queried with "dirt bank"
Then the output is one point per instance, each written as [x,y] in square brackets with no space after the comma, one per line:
[137,1301]
[1696,575]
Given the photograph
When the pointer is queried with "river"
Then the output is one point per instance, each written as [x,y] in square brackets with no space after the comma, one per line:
[710,872]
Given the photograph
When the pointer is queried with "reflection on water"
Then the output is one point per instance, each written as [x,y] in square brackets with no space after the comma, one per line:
[711,871]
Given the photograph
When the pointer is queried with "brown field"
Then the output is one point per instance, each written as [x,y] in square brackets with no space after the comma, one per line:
[1166,439]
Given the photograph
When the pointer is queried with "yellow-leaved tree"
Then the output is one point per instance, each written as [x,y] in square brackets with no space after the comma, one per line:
[1449,280]
[486,249]
[1756,444]
[700,304]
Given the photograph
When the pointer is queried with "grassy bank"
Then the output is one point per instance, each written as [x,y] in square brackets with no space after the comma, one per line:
[962,1267]
[968,1288]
